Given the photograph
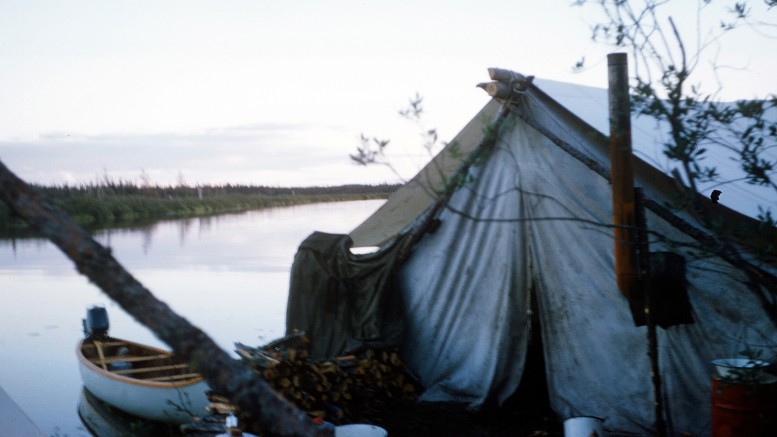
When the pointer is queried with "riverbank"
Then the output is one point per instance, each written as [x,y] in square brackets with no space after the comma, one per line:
[14,420]
[125,205]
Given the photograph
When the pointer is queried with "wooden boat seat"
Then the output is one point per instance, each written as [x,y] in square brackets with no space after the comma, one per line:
[151,369]
[173,377]
[129,358]
[106,343]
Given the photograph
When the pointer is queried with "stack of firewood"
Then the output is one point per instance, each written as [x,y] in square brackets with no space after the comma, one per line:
[338,390]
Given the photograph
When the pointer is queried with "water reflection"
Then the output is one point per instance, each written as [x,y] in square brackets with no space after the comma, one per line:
[228,275]
[103,420]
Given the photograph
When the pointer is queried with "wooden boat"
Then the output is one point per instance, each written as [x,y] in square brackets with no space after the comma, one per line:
[141,380]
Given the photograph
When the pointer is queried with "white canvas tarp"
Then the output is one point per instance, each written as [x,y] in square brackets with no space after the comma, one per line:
[535,218]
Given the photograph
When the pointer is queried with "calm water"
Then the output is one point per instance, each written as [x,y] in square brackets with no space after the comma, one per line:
[228,275]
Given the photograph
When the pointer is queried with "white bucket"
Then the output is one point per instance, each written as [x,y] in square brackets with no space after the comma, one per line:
[359,430]
[584,426]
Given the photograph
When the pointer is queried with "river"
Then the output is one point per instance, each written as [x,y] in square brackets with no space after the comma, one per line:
[226,274]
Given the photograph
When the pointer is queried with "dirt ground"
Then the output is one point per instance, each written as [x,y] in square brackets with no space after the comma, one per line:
[526,414]
[435,420]
[516,418]
[430,420]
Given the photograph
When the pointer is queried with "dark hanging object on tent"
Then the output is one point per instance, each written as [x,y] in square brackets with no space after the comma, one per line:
[434,225]
[345,302]
[670,294]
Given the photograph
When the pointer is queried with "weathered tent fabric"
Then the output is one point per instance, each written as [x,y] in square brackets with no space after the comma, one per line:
[342,300]
[535,219]
[419,192]
[590,104]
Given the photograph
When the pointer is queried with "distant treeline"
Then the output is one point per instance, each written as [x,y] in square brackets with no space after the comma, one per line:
[124,204]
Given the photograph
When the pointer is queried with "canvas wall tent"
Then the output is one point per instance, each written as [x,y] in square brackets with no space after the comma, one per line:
[525,232]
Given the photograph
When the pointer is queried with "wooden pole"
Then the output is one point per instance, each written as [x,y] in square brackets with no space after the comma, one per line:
[647,291]
[622,175]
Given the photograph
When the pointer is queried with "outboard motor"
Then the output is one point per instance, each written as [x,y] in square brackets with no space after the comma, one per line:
[96,323]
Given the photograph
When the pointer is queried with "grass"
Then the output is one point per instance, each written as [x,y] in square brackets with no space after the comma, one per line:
[123,205]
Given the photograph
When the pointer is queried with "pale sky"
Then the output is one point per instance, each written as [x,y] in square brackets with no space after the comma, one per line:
[278,92]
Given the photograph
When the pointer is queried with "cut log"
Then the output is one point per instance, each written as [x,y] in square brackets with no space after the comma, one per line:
[504,75]
[338,390]
[498,90]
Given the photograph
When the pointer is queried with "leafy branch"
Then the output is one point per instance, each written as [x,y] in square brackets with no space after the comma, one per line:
[699,125]
[372,150]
